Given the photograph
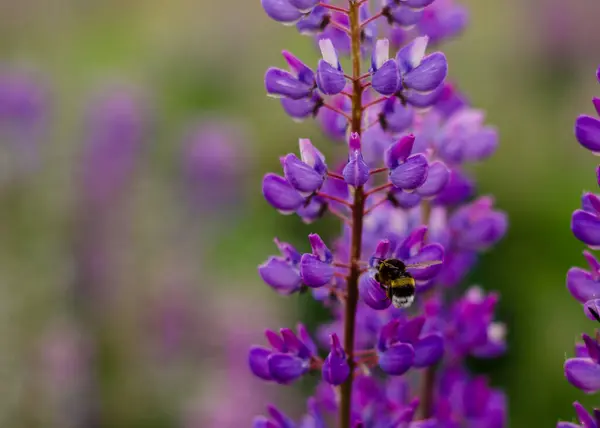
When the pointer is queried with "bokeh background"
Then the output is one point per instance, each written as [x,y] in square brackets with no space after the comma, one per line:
[134,135]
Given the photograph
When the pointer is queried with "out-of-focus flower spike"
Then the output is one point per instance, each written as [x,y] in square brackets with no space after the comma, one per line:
[330,76]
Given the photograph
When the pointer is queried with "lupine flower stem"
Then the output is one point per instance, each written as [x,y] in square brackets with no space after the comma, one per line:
[375,102]
[357,222]
[337,110]
[427,389]
[371,19]
[340,27]
[378,189]
[378,170]
[332,7]
[335,175]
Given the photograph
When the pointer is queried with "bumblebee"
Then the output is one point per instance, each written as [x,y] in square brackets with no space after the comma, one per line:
[399,285]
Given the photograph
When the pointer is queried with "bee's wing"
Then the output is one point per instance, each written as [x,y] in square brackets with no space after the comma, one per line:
[424,264]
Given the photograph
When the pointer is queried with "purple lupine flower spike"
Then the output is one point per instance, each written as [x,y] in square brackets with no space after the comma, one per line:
[317,269]
[335,368]
[410,199]
[584,285]
[586,420]
[356,171]
[330,76]
[386,77]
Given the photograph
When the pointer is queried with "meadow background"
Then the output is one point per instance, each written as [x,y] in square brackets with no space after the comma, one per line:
[160,337]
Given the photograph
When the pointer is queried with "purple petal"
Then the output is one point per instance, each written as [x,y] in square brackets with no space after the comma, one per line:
[437,178]
[285,368]
[280,418]
[257,360]
[372,293]
[582,285]
[585,419]
[280,194]
[262,422]
[301,176]
[315,22]
[410,331]
[567,425]
[404,199]
[476,395]
[583,373]
[314,272]
[386,80]
[356,171]
[418,4]
[395,117]
[481,145]
[304,5]
[302,108]
[592,348]
[587,131]
[319,248]
[280,275]
[458,189]
[410,174]
[335,367]
[397,359]
[483,233]
[276,341]
[281,83]
[399,151]
[596,102]
[429,75]
[330,80]
[586,227]
[423,99]
[299,69]
[405,16]
[281,11]
[429,350]
[591,309]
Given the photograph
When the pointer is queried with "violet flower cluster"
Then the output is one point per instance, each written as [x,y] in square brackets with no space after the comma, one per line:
[401,193]
[583,371]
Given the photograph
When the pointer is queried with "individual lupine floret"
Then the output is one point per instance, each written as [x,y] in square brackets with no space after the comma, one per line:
[444,19]
[421,72]
[585,222]
[407,172]
[282,273]
[464,138]
[296,84]
[330,76]
[477,226]
[587,128]
[288,359]
[356,171]
[317,268]
[385,77]
[308,173]
[288,12]
[586,420]
[583,372]
[584,285]
[335,367]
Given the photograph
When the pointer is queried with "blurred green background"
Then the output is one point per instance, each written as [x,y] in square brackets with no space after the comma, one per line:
[530,65]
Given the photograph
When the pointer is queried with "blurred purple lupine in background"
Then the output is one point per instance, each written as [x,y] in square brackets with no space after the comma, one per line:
[24,105]
[410,231]
[583,370]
